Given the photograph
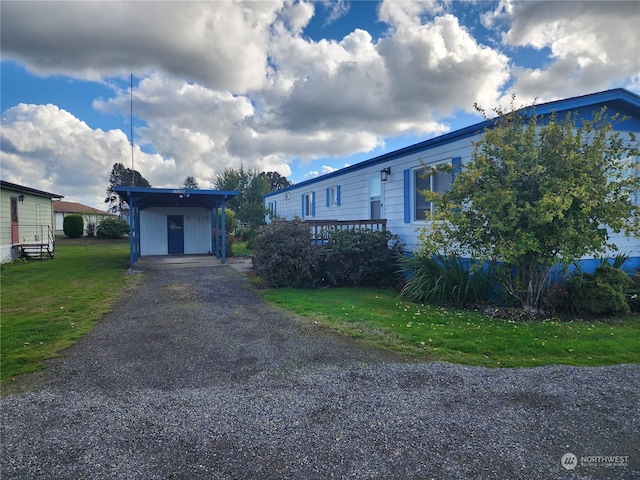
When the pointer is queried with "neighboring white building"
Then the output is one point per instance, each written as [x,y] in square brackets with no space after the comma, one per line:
[26,221]
[89,214]
[388,186]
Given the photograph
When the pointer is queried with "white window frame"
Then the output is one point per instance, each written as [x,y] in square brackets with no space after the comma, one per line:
[308,204]
[333,197]
[432,183]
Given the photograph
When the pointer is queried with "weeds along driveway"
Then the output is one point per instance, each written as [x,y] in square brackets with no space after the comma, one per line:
[193,376]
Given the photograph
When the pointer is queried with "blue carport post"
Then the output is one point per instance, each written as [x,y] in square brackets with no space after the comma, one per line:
[216,232]
[212,223]
[132,239]
[224,236]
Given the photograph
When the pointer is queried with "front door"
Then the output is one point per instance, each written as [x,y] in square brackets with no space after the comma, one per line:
[175,229]
[15,232]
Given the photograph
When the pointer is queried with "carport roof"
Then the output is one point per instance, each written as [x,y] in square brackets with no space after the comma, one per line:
[142,197]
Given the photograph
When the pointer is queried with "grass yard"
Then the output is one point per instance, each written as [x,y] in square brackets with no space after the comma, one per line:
[240,249]
[48,304]
[458,336]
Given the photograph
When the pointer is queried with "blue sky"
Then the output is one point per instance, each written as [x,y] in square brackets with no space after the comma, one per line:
[302,88]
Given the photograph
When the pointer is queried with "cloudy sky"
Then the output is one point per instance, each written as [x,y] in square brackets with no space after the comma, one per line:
[302,88]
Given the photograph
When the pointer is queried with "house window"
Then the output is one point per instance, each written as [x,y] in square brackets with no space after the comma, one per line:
[309,205]
[333,196]
[273,209]
[438,182]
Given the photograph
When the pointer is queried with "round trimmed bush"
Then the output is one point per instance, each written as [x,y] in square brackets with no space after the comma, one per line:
[73,225]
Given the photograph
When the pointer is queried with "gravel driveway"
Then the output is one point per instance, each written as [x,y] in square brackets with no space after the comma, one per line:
[193,376]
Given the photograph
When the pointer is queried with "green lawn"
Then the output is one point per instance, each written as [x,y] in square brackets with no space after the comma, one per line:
[240,249]
[459,336]
[46,305]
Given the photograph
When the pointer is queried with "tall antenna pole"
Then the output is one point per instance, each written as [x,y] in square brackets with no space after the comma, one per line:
[133,170]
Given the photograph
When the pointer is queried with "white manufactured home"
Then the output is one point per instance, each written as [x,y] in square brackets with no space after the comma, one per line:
[27,225]
[387,187]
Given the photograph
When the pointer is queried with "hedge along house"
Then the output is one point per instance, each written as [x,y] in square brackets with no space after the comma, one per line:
[388,186]
[26,222]
[166,221]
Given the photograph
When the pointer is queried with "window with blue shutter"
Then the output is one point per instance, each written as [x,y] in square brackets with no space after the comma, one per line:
[333,196]
[416,206]
[309,204]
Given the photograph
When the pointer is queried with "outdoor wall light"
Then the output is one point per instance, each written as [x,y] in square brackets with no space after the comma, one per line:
[21,198]
[384,174]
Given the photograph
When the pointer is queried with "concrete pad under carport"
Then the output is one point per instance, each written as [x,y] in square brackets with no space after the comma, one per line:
[160,262]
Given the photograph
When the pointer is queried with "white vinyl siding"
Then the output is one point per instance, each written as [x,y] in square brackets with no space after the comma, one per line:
[154,231]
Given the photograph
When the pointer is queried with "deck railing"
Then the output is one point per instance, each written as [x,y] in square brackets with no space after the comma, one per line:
[320,229]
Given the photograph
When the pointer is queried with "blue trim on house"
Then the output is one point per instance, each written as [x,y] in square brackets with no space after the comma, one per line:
[457,166]
[407,196]
[619,99]
[338,195]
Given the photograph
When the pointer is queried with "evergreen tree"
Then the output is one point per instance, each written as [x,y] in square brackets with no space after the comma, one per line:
[122,177]
[190,182]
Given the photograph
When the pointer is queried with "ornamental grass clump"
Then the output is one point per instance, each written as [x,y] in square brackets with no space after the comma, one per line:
[441,280]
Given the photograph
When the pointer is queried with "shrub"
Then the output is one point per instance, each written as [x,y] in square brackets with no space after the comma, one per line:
[441,280]
[362,257]
[248,235]
[228,238]
[73,225]
[229,220]
[284,256]
[112,228]
[91,229]
[633,293]
[602,293]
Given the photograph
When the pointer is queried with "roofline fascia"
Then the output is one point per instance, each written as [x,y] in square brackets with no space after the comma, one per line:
[32,191]
[542,109]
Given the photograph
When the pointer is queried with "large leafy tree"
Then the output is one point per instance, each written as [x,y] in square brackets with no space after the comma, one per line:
[251,187]
[538,191]
[122,176]
[276,181]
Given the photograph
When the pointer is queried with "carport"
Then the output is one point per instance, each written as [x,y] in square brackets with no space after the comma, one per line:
[167,221]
